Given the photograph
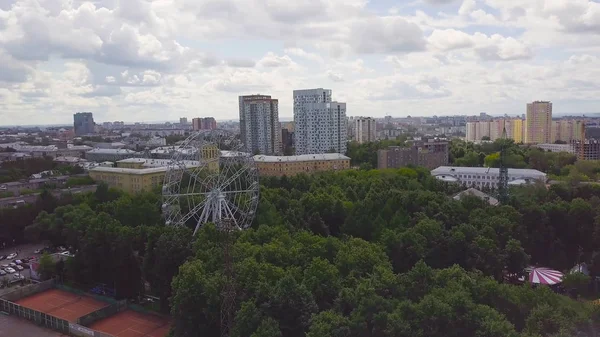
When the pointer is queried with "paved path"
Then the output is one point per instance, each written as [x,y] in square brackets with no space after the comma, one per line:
[12,326]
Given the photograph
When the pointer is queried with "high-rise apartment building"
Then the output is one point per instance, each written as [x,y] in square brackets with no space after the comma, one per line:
[83,123]
[494,129]
[567,130]
[260,129]
[364,129]
[539,122]
[320,123]
[207,123]
[183,120]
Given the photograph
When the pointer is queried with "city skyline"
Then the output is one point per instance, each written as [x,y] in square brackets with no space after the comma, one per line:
[144,60]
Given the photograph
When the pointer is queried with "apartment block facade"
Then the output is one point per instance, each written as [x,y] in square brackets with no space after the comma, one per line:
[83,123]
[539,122]
[206,123]
[260,129]
[320,123]
[364,129]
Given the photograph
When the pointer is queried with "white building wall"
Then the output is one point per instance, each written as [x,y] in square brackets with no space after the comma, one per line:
[320,124]
[364,129]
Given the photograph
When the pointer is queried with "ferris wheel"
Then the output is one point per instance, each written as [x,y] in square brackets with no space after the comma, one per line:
[210,179]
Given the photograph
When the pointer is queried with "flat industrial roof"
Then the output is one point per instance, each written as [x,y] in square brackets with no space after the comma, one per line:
[484,170]
[300,158]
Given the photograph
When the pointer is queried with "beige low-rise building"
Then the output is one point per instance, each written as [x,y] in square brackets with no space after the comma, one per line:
[309,163]
[129,179]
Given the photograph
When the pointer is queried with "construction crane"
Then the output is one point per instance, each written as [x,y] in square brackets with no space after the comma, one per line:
[503,178]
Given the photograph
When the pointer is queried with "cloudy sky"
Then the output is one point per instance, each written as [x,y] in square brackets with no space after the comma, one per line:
[142,60]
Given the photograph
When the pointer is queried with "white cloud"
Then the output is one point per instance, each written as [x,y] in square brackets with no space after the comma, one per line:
[157,60]
[271,60]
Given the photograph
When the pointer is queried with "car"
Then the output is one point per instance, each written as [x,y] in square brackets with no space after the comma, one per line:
[3,187]
[38,251]
[18,276]
[2,272]
[9,270]
[2,257]
[20,268]
[11,256]
[17,262]
[4,266]
[12,264]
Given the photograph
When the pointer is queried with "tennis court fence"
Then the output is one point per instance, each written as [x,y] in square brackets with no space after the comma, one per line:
[28,290]
[35,316]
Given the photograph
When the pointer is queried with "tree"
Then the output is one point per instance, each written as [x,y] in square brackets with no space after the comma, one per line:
[162,261]
[578,283]
[47,267]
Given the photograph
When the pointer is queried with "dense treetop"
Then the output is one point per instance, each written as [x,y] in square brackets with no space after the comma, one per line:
[353,253]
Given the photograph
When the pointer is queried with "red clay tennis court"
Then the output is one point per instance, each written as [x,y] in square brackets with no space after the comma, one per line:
[131,323]
[62,304]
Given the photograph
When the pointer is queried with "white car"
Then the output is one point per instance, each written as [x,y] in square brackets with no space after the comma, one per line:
[20,268]
[19,276]
[2,272]
[4,266]
[11,256]
[10,270]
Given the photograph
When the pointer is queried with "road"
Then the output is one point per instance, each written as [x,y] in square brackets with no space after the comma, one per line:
[28,199]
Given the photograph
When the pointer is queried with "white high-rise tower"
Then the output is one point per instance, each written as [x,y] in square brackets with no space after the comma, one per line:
[320,123]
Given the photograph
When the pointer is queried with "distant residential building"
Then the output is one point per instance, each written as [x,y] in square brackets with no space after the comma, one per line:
[206,123]
[260,129]
[364,129]
[308,163]
[551,147]
[183,120]
[430,154]
[478,130]
[287,140]
[288,126]
[83,123]
[567,130]
[539,122]
[591,149]
[480,177]
[320,123]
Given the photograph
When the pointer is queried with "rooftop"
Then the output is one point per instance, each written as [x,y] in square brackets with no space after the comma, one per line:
[300,158]
[111,151]
[477,193]
[485,170]
[151,170]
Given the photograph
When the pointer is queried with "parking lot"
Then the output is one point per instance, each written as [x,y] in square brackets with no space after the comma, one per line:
[23,251]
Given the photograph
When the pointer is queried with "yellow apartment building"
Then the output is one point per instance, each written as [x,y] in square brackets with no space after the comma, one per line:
[309,163]
[131,180]
[518,130]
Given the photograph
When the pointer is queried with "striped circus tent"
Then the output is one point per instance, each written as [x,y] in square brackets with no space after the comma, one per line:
[545,276]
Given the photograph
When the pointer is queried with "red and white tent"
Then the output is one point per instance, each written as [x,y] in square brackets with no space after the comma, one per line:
[545,276]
